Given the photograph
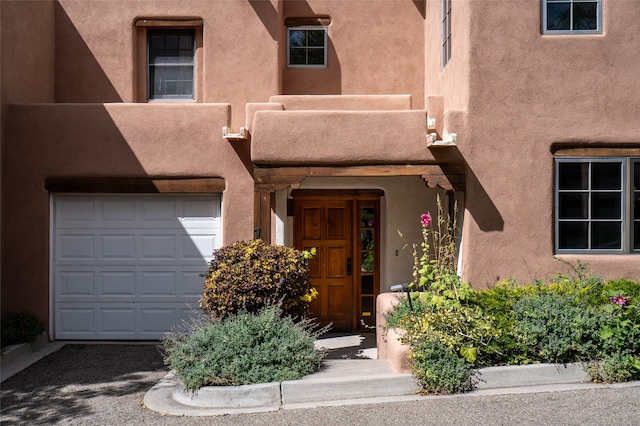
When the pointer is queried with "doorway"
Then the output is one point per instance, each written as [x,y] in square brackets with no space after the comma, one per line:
[344,228]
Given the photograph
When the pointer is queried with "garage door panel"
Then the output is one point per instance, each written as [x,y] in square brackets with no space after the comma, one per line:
[198,246]
[198,209]
[117,283]
[75,284]
[74,322]
[154,246]
[74,211]
[117,246]
[156,211]
[192,284]
[118,211]
[115,322]
[128,266]
[75,246]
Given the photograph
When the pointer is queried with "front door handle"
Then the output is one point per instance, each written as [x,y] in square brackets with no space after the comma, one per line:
[348,266]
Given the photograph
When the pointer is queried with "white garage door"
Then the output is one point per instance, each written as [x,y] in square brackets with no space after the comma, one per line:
[128,266]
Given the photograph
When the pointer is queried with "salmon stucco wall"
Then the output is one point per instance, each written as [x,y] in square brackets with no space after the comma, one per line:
[530,94]
[28,57]
[105,141]
[375,47]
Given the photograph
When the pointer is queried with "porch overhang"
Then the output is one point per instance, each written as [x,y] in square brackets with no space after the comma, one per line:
[290,145]
[449,177]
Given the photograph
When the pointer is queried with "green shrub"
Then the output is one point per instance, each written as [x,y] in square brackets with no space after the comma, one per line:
[569,319]
[439,370]
[22,327]
[614,368]
[249,275]
[243,349]
[557,327]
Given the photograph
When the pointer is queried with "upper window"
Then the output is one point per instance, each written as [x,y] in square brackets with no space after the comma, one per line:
[598,205]
[571,16]
[307,46]
[446,32]
[171,64]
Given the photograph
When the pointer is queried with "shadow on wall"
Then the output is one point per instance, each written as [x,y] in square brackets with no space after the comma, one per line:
[421,6]
[309,81]
[478,202]
[268,15]
[79,76]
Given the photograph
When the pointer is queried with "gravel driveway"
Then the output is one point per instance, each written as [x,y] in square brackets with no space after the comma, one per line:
[96,384]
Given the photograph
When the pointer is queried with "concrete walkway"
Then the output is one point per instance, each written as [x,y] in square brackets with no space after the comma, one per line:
[353,382]
[341,382]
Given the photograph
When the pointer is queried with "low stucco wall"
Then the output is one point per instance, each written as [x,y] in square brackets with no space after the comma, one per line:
[388,341]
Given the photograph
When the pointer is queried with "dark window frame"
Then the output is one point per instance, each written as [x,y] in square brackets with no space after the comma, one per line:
[152,68]
[595,205]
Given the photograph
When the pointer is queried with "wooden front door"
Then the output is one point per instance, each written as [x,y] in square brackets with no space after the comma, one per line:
[330,221]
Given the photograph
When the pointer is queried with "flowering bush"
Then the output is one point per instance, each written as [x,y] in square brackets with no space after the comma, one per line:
[249,275]
[438,272]
[579,319]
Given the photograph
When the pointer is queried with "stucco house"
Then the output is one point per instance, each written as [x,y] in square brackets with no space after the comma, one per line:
[137,136]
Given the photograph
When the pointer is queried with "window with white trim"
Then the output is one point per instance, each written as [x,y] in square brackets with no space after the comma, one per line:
[572,16]
[171,64]
[597,205]
[446,32]
[307,47]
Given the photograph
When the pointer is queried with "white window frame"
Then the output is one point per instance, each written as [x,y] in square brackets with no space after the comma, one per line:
[598,29]
[170,97]
[324,47]
[628,195]
[445,20]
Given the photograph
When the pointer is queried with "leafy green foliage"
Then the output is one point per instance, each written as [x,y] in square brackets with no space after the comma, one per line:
[242,349]
[22,327]
[614,368]
[249,275]
[570,319]
[557,328]
[439,370]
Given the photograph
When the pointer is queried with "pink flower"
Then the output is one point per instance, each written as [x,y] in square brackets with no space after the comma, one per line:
[619,300]
[425,219]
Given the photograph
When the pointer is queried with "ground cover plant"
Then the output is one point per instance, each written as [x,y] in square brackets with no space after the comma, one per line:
[254,327]
[243,348]
[454,329]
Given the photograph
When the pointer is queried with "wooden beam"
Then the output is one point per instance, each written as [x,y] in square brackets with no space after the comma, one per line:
[132,185]
[447,176]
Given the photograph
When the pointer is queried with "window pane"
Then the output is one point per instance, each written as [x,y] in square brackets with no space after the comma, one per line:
[297,38]
[636,176]
[171,64]
[315,37]
[585,16]
[367,264]
[367,216]
[573,235]
[573,175]
[316,56]
[366,239]
[297,56]
[606,205]
[606,235]
[606,176]
[636,235]
[558,16]
[367,284]
[573,205]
